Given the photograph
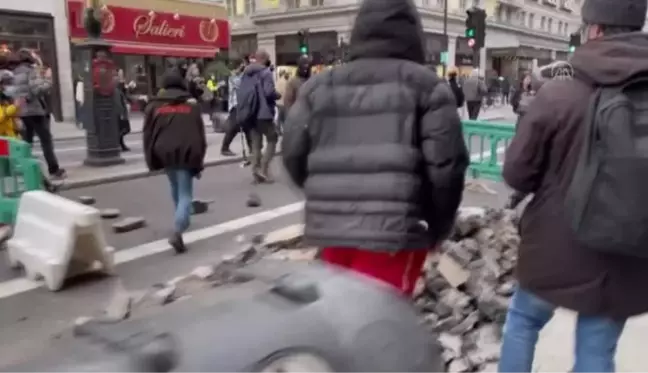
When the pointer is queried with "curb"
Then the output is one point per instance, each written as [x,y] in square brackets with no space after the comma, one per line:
[136,174]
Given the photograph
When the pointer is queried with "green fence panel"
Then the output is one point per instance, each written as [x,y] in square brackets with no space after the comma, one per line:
[19,172]
[486,142]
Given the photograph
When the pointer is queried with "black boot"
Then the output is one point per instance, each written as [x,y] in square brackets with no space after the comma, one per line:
[177,243]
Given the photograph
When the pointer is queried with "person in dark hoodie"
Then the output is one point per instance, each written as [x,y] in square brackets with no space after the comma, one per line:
[174,141]
[456,87]
[260,72]
[553,269]
[377,146]
[304,68]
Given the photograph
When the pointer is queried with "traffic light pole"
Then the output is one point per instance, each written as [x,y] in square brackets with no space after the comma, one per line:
[476,55]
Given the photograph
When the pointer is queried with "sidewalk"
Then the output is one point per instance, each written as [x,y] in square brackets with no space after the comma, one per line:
[83,176]
[555,350]
[69,131]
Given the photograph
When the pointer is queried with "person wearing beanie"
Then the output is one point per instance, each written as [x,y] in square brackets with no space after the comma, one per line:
[174,141]
[304,68]
[556,269]
[377,146]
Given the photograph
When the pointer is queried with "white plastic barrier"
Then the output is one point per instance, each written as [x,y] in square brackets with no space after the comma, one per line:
[56,238]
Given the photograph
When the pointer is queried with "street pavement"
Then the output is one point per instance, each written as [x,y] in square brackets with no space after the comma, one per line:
[31,316]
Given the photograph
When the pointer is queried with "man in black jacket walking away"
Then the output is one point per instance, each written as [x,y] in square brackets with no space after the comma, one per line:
[377,146]
[174,141]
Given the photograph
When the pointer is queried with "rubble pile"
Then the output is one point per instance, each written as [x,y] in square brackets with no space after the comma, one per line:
[465,289]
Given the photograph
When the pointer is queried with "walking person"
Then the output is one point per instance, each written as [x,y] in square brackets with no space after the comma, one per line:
[122,105]
[456,88]
[32,88]
[556,268]
[233,128]
[258,83]
[303,73]
[174,141]
[474,91]
[377,147]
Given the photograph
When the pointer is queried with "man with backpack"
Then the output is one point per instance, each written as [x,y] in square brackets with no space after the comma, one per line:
[580,149]
[257,102]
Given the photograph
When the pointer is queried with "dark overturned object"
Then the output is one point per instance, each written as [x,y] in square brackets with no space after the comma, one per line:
[277,316]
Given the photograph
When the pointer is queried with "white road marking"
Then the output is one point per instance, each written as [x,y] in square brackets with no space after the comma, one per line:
[21,285]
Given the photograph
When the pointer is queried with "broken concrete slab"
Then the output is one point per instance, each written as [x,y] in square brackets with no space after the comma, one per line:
[199,206]
[129,224]
[285,237]
[110,213]
[87,200]
[253,200]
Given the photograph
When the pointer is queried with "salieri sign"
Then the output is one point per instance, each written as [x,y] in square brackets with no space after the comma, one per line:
[157,32]
[148,25]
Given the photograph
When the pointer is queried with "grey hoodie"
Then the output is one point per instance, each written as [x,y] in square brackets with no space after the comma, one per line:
[31,88]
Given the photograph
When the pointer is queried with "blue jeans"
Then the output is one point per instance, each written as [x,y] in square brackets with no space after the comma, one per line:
[596,337]
[181,181]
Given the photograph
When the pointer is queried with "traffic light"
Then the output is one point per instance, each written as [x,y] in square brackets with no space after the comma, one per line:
[476,27]
[303,41]
[574,41]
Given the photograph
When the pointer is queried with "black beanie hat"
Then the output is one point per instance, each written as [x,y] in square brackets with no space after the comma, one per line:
[622,13]
[173,80]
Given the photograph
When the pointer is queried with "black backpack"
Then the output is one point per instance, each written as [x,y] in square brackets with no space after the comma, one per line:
[607,200]
[247,105]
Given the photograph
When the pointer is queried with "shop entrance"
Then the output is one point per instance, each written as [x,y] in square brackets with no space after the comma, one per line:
[34,31]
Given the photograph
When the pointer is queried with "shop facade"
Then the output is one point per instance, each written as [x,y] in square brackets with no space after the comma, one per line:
[41,26]
[143,39]
[275,31]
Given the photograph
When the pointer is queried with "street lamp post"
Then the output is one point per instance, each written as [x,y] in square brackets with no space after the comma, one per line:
[99,103]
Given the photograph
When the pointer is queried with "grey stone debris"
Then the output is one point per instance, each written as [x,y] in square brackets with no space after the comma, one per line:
[469,316]
[199,206]
[87,200]
[253,200]
[110,213]
[129,224]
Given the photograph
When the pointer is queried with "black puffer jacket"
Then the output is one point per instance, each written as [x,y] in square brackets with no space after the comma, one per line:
[377,143]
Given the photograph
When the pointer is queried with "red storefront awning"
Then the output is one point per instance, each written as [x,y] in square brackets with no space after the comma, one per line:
[137,31]
[162,50]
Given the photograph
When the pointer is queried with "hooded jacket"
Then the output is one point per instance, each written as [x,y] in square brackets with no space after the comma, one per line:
[267,104]
[31,90]
[377,143]
[541,159]
[174,132]
[303,74]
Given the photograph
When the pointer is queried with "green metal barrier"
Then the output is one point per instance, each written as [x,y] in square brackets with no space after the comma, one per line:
[19,172]
[486,141]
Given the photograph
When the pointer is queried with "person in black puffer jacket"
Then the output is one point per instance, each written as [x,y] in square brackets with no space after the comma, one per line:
[378,148]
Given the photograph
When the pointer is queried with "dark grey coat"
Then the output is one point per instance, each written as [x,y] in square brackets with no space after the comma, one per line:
[377,144]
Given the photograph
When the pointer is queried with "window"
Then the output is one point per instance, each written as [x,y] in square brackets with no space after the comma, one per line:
[550,25]
[543,21]
[560,27]
[531,20]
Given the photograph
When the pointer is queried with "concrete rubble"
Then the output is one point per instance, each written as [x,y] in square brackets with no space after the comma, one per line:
[464,292]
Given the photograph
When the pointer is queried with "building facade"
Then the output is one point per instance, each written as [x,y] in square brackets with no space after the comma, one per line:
[42,26]
[520,33]
[145,34]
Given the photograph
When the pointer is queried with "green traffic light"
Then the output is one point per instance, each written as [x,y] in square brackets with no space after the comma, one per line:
[470,33]
[572,49]
[303,50]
